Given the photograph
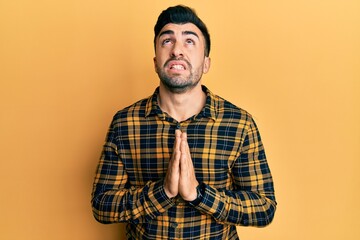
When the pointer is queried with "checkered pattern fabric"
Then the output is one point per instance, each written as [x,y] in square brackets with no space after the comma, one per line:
[229,162]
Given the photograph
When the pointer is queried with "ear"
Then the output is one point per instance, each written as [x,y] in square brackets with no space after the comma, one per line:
[207,63]
[154,59]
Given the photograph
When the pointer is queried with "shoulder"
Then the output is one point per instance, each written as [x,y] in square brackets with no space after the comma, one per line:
[134,111]
[228,110]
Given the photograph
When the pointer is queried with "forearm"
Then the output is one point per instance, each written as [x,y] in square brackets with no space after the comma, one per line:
[134,204]
[237,207]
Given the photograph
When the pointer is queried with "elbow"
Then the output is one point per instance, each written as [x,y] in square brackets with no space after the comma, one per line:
[261,218]
[99,216]
[267,216]
[98,213]
[107,212]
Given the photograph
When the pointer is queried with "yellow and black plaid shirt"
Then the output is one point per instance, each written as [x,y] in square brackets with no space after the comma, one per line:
[229,161]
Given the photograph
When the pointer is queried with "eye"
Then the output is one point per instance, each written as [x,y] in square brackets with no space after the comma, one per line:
[190,41]
[166,41]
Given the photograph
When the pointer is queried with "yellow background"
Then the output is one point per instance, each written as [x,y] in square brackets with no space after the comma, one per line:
[67,66]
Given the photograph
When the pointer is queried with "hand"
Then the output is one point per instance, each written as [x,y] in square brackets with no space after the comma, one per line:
[180,177]
[187,181]
[171,182]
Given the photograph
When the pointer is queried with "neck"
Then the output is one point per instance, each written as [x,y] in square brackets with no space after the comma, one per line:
[182,106]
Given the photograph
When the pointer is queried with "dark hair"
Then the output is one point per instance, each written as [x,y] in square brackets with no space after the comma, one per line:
[180,15]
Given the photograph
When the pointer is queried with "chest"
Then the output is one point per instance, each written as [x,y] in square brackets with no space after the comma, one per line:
[146,150]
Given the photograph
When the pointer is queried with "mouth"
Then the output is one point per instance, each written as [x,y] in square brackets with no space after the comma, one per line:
[177,65]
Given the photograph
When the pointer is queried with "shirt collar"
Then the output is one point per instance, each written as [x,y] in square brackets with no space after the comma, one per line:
[209,110]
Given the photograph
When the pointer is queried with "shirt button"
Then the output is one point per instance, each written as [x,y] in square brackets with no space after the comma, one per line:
[174,225]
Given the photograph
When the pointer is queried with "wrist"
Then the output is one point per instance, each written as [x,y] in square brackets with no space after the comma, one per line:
[168,193]
[199,195]
[193,196]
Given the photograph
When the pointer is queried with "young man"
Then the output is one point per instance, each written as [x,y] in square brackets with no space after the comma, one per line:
[183,163]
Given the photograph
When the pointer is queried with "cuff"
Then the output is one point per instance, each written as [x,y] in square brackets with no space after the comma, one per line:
[159,198]
[200,189]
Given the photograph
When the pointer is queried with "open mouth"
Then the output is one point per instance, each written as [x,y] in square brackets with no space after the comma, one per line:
[177,65]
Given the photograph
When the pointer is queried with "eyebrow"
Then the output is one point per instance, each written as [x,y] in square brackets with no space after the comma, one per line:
[171,32]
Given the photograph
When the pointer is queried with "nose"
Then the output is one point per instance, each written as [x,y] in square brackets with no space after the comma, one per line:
[177,50]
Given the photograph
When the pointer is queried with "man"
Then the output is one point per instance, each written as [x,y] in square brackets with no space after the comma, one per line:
[183,163]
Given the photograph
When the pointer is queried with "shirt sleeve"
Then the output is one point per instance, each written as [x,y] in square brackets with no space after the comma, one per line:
[114,200]
[251,202]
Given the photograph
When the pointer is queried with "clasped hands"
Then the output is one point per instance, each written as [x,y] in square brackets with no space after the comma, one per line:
[180,177]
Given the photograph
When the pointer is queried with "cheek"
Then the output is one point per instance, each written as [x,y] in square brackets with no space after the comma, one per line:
[160,59]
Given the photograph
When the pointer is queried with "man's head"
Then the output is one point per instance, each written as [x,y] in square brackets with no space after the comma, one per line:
[182,46]
[181,15]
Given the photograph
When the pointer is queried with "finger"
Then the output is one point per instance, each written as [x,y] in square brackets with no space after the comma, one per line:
[184,135]
[186,165]
[176,148]
[184,148]
[178,133]
[177,140]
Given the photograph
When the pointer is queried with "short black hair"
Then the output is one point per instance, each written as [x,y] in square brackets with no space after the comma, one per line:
[181,14]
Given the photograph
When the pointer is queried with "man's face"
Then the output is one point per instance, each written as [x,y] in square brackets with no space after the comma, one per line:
[180,56]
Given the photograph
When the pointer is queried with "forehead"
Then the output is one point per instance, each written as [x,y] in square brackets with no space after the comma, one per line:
[181,28]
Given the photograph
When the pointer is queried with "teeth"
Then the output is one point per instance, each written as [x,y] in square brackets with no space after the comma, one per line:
[178,67]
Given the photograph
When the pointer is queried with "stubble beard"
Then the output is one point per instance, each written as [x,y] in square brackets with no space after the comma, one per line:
[180,84]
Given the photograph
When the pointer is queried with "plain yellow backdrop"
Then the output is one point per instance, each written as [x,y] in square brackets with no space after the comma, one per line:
[67,66]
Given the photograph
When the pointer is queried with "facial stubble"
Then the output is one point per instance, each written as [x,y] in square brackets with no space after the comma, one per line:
[179,83]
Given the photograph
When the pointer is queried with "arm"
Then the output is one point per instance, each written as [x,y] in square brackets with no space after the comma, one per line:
[252,201]
[113,200]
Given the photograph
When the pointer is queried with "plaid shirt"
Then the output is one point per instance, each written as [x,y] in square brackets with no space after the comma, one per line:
[229,160]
